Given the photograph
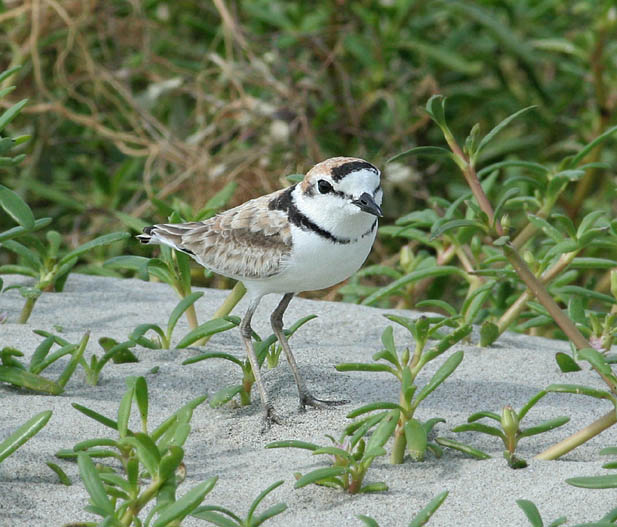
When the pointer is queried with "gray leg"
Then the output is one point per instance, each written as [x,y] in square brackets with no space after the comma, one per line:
[276,319]
[245,329]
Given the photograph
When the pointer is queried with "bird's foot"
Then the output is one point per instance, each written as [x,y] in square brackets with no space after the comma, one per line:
[307,399]
[270,418]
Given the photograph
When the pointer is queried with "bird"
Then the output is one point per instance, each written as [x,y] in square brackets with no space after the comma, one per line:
[308,236]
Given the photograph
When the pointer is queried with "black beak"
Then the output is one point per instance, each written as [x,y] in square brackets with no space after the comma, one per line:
[367,204]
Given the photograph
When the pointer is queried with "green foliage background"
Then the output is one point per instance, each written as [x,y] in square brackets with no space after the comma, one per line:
[131,102]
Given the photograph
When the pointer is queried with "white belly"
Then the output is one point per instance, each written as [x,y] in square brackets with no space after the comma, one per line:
[316,263]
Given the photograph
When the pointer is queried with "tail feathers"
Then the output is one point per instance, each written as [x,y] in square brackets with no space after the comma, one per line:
[166,234]
[146,237]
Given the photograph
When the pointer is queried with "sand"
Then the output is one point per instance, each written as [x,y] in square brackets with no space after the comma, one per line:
[227,442]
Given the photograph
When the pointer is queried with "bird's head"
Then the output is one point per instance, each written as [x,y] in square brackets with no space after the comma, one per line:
[347,184]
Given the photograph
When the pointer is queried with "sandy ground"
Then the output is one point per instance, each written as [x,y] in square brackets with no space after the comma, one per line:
[227,441]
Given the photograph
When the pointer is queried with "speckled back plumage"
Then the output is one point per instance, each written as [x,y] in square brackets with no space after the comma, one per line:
[249,241]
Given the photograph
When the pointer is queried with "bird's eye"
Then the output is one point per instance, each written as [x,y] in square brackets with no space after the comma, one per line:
[323,186]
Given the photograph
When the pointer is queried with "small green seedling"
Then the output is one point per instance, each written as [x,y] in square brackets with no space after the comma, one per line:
[24,433]
[411,434]
[118,352]
[510,431]
[226,518]
[44,263]
[150,465]
[265,349]
[351,457]
[162,340]
[29,376]
[419,519]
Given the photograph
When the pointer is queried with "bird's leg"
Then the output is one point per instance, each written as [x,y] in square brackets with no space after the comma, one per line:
[306,398]
[246,332]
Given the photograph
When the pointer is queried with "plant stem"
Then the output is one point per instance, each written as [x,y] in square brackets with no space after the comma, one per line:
[530,229]
[570,443]
[537,289]
[191,316]
[229,303]
[521,302]
[469,172]
[27,310]
[398,448]
[131,513]
[560,318]
[232,299]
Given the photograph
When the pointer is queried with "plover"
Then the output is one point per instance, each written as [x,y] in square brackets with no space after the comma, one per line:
[309,236]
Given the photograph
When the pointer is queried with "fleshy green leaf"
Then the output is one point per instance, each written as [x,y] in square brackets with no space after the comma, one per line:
[224,395]
[368,521]
[383,432]
[185,411]
[361,366]
[590,146]
[579,390]
[124,410]
[147,452]
[544,427]
[293,443]
[427,151]
[181,508]
[425,514]
[489,137]
[75,359]
[444,371]
[455,224]
[385,405]
[93,484]
[170,462]
[25,432]
[64,479]
[206,329]
[214,355]
[531,511]
[11,113]
[566,363]
[595,482]
[96,416]
[479,427]
[316,476]
[106,239]
[415,437]
[28,380]
[19,230]
[182,306]
[414,276]
[16,207]
[461,447]
[141,397]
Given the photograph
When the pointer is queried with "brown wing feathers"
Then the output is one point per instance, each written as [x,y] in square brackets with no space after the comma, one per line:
[249,241]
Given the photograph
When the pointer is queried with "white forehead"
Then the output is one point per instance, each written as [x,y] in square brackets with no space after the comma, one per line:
[363,179]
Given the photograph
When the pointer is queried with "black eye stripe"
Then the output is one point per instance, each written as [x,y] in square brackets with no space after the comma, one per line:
[341,171]
[341,194]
